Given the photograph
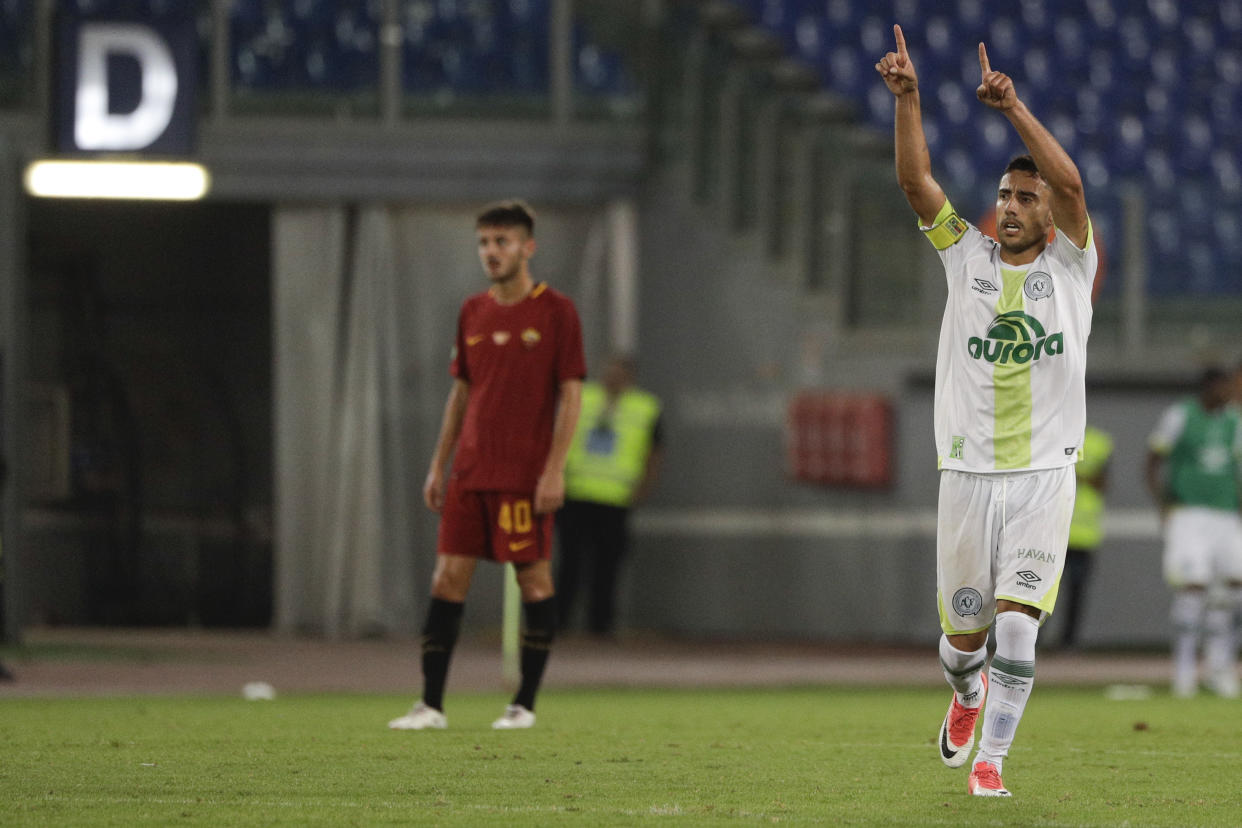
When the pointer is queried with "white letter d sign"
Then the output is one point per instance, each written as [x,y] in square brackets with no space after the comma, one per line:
[95,127]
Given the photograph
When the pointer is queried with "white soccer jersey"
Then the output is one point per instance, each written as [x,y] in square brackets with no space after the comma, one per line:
[1010,388]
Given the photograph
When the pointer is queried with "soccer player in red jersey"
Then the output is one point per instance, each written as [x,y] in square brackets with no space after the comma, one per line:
[508,423]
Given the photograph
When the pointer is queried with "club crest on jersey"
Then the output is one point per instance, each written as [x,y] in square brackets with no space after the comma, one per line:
[967,601]
[531,337]
[1015,337]
[500,337]
[1038,285]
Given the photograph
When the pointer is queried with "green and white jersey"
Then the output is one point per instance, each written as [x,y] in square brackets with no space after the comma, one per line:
[1010,388]
[1204,451]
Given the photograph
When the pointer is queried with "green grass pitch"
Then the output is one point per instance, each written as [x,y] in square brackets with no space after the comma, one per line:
[619,757]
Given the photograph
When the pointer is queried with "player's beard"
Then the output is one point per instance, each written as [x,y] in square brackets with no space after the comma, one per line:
[504,275]
[1022,243]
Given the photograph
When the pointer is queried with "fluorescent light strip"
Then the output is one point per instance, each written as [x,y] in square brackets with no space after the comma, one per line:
[159,180]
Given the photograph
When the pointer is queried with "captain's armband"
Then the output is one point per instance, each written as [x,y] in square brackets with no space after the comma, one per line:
[946,229]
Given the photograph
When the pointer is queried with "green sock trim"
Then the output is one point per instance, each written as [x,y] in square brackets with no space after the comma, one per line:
[967,670]
[1021,669]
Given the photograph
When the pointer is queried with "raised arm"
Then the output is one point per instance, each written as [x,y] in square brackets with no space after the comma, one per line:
[1069,205]
[914,173]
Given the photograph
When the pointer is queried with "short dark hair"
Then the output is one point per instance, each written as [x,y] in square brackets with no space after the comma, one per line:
[1023,163]
[511,213]
[1212,375]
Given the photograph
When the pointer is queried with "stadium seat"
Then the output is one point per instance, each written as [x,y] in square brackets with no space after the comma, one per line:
[598,71]
[484,47]
[136,8]
[15,21]
[1162,106]
[303,45]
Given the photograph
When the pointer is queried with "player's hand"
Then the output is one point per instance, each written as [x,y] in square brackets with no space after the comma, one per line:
[897,69]
[549,492]
[995,88]
[433,490]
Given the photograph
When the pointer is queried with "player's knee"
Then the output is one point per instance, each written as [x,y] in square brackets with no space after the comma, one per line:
[448,584]
[537,592]
[535,583]
[1013,606]
[446,590]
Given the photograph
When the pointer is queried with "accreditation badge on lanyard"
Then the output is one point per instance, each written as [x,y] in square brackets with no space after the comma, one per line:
[601,439]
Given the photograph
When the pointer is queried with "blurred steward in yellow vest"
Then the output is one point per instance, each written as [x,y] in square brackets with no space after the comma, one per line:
[612,465]
[1086,527]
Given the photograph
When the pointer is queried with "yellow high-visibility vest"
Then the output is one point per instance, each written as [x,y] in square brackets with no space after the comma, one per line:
[608,456]
[1087,525]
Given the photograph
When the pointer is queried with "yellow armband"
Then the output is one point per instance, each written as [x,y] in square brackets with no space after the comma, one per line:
[946,229]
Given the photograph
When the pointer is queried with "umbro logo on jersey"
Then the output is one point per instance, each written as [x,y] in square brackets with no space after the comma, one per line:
[984,286]
[1029,579]
[1015,337]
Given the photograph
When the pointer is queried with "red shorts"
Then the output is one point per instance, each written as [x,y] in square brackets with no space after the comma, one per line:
[494,526]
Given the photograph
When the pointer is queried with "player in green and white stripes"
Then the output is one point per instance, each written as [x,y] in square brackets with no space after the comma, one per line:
[1194,459]
[1010,408]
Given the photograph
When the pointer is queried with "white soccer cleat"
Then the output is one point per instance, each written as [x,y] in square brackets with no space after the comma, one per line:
[516,717]
[420,717]
[1185,687]
[1224,684]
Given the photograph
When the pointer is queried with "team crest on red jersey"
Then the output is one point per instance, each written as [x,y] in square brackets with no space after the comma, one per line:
[500,337]
[531,337]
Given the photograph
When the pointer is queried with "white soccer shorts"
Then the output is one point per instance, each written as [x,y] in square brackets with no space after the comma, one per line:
[1000,536]
[1202,545]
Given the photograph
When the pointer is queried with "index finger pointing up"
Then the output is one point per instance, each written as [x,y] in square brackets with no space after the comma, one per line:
[983,58]
[901,41]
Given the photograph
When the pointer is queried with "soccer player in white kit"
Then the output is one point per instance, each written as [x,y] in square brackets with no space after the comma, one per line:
[1009,411]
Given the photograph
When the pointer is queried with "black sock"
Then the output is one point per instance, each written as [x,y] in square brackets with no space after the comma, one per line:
[439,636]
[536,644]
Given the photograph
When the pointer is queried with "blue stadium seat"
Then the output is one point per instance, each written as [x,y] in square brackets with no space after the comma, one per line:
[599,72]
[130,8]
[16,19]
[1202,269]
[1166,261]
[303,44]
[777,16]
[1162,105]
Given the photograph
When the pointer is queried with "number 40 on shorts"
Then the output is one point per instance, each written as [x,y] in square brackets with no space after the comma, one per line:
[515,517]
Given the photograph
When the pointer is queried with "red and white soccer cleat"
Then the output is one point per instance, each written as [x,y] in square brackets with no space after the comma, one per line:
[957,731]
[985,781]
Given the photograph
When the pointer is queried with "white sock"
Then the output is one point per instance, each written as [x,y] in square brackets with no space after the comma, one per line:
[963,671]
[1010,679]
[1186,613]
[1219,645]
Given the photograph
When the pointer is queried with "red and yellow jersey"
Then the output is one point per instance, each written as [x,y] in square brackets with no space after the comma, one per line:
[514,358]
